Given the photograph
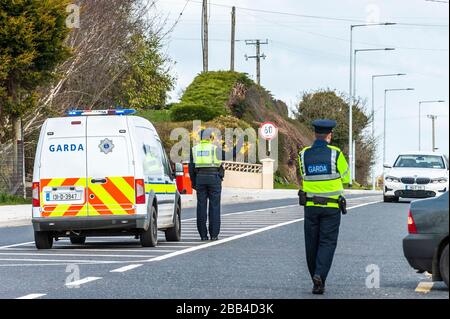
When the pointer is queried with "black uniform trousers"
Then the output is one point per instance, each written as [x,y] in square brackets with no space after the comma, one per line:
[321,235]
[209,191]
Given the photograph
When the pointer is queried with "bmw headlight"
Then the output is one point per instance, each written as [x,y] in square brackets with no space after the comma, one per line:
[440,180]
[392,179]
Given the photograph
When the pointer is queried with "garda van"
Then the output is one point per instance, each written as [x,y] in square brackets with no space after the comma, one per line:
[103,173]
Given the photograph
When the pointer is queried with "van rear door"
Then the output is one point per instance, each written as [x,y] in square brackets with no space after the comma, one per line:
[110,168]
[62,168]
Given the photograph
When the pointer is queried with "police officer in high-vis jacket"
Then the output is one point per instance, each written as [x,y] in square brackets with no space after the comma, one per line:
[324,170]
[207,173]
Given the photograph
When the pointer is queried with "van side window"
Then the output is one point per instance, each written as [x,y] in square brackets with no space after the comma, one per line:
[165,161]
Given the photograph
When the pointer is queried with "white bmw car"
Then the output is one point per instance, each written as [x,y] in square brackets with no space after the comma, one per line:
[416,175]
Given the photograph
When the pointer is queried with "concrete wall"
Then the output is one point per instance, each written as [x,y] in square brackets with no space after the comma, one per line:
[249,176]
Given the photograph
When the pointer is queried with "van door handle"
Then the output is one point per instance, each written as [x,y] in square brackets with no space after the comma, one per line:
[98,181]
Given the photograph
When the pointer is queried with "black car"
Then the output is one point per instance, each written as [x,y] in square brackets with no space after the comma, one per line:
[426,246]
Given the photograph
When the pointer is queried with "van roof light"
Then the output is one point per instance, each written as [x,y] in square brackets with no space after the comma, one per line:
[101,112]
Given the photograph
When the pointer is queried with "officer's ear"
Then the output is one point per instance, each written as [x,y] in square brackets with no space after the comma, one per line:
[330,137]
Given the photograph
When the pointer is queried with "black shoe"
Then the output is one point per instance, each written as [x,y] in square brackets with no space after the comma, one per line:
[214,238]
[319,286]
[204,238]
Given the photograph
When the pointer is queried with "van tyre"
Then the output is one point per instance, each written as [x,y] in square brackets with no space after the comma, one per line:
[443,265]
[174,233]
[43,240]
[149,238]
[78,240]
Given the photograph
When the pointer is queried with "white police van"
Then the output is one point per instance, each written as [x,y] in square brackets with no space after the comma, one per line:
[103,173]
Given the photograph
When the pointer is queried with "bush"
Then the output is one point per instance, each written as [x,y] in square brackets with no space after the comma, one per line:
[6,199]
[188,112]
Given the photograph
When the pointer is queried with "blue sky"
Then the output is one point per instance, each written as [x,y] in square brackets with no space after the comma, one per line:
[306,54]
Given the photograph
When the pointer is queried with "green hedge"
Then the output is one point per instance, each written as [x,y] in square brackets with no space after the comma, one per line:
[188,112]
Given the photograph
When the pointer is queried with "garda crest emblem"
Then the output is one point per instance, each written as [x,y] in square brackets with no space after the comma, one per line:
[106,146]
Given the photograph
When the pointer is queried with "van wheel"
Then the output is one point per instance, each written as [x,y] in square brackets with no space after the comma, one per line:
[443,265]
[174,233]
[78,240]
[149,238]
[43,240]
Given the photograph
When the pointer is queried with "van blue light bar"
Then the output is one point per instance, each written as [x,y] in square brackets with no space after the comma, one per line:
[101,112]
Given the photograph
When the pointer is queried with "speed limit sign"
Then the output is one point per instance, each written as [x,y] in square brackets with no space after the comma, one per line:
[268,131]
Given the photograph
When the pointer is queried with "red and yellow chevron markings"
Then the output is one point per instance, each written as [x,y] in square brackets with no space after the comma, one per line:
[115,197]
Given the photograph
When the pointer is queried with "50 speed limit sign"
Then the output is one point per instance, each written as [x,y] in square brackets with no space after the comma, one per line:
[268,131]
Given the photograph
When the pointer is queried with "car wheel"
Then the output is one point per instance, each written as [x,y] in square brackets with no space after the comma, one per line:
[387,199]
[396,199]
[78,240]
[43,240]
[149,238]
[443,265]
[174,233]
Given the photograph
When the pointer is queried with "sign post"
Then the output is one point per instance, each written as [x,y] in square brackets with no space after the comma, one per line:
[268,131]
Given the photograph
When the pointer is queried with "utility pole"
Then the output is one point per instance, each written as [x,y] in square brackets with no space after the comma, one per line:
[233,37]
[433,120]
[205,35]
[258,56]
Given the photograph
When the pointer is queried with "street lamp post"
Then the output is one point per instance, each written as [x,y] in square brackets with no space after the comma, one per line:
[385,117]
[420,118]
[353,167]
[433,127]
[350,113]
[373,115]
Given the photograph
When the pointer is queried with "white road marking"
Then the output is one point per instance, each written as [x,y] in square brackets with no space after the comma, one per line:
[69,255]
[424,287]
[221,231]
[136,250]
[219,242]
[126,268]
[32,296]
[366,204]
[256,231]
[82,281]
[16,245]
[69,261]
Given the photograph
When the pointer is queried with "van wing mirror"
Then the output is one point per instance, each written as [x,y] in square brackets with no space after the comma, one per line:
[386,165]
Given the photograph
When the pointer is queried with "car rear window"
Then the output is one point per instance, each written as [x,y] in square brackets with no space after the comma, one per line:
[420,161]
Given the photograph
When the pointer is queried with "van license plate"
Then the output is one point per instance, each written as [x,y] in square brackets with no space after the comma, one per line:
[63,196]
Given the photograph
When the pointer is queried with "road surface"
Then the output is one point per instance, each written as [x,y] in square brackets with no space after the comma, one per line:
[260,254]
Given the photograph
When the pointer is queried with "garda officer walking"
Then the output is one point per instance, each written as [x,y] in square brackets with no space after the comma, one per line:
[324,170]
[207,174]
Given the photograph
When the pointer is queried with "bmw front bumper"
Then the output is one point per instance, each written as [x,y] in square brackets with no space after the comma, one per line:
[399,189]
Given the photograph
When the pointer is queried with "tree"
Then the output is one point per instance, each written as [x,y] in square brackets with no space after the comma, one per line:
[147,81]
[32,34]
[328,104]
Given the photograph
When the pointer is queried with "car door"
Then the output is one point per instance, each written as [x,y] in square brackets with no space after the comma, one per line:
[110,167]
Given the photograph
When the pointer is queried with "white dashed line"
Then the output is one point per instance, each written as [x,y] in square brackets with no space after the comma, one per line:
[32,296]
[80,282]
[126,268]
